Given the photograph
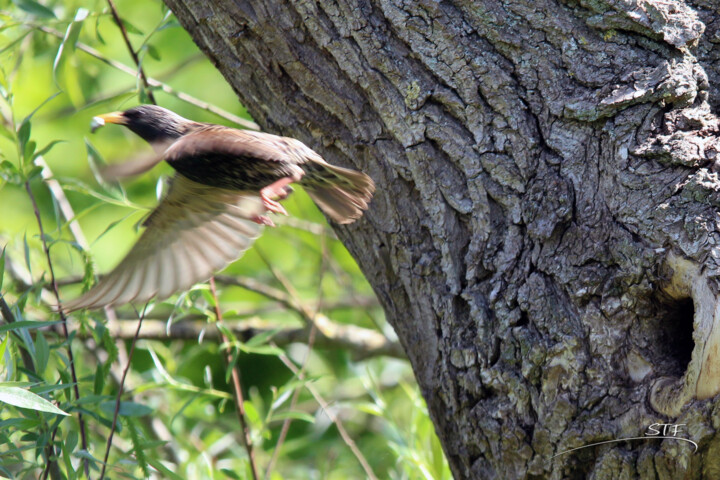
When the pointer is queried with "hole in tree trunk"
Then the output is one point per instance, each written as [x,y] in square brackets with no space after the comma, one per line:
[676,340]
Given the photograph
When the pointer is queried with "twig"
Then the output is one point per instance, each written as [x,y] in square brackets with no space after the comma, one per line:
[119,394]
[235,373]
[76,389]
[333,418]
[130,48]
[158,84]
[62,200]
[362,342]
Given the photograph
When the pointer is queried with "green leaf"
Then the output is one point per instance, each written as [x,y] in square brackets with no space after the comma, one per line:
[26,324]
[131,28]
[29,151]
[23,133]
[42,353]
[166,472]
[99,381]
[3,347]
[251,413]
[70,39]
[153,52]
[2,268]
[127,409]
[294,416]
[261,338]
[25,399]
[10,173]
[230,473]
[26,250]
[34,8]
[34,172]
[47,148]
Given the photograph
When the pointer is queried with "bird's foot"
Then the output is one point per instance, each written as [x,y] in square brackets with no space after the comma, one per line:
[271,205]
[263,220]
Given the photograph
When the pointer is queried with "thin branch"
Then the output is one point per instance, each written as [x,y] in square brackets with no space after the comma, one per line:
[119,394]
[235,373]
[349,336]
[333,418]
[65,208]
[130,48]
[362,342]
[76,389]
[158,84]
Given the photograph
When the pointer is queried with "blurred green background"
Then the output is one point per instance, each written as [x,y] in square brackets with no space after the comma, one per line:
[58,69]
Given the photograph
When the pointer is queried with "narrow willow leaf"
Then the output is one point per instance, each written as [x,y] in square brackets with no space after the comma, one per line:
[26,248]
[35,8]
[42,353]
[68,42]
[25,399]
[47,148]
[294,416]
[23,134]
[127,409]
[26,324]
[166,472]
[99,381]
[3,348]
[2,268]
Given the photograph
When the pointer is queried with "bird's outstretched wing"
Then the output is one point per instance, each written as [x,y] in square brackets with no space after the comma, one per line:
[194,232]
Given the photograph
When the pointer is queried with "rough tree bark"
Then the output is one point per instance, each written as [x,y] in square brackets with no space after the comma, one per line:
[545,236]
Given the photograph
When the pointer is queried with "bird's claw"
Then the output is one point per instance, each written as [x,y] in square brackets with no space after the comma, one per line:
[272,206]
[263,220]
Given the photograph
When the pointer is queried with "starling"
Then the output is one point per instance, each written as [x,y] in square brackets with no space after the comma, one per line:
[226,181]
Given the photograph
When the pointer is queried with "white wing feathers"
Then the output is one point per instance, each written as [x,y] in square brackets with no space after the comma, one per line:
[194,232]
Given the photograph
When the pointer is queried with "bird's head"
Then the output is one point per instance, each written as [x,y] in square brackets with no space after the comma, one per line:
[154,124]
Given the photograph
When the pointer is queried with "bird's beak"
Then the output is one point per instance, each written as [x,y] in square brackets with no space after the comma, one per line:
[100,120]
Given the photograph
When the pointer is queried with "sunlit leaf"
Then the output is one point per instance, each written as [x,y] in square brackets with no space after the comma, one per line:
[23,398]
[3,347]
[276,417]
[68,42]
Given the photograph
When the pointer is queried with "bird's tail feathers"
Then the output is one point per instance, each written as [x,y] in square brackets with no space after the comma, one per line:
[341,193]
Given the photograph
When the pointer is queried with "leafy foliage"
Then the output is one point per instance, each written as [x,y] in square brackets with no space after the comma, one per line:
[311,395]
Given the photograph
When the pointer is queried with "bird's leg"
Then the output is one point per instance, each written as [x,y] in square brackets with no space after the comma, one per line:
[279,189]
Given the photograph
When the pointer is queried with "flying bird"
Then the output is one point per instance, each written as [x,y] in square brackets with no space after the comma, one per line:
[226,181]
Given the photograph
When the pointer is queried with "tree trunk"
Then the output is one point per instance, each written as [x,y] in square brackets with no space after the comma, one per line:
[544,238]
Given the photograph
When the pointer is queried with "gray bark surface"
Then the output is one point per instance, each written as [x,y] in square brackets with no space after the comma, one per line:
[545,235]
